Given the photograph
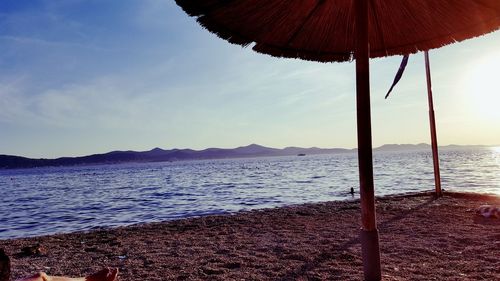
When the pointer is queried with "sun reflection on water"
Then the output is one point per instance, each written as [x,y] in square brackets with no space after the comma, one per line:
[496,157]
[496,154]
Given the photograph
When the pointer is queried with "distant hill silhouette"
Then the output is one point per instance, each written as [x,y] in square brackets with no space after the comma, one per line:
[158,155]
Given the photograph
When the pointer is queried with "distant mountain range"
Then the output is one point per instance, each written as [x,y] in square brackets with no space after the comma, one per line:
[159,155]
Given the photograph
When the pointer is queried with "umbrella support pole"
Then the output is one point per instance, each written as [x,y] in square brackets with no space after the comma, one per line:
[369,243]
[369,233]
[432,121]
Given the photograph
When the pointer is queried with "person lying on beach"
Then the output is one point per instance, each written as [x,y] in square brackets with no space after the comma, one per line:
[103,275]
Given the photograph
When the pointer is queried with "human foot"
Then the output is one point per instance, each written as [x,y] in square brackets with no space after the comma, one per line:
[104,275]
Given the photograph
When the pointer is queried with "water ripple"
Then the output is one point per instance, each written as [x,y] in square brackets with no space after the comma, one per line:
[64,199]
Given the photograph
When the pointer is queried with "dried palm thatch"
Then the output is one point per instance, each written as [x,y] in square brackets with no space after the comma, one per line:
[324,30]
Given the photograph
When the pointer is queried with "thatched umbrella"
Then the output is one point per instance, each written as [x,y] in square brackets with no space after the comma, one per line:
[343,30]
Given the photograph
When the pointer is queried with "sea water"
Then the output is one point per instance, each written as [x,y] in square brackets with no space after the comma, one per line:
[51,200]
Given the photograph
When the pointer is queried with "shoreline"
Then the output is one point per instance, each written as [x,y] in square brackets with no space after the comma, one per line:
[420,238]
[356,199]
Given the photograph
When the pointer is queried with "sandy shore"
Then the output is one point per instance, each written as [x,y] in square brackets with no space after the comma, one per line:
[421,239]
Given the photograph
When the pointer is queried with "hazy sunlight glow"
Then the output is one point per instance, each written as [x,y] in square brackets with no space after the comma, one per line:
[483,83]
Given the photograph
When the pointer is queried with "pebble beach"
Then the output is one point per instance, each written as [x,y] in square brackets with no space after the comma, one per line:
[421,238]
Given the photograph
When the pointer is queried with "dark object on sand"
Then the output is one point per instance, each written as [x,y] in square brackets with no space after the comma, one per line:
[4,266]
[35,250]
[488,211]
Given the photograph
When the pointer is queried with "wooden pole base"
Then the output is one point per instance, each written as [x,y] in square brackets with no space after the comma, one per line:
[371,255]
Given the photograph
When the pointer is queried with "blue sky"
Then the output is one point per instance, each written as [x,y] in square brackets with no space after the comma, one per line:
[80,77]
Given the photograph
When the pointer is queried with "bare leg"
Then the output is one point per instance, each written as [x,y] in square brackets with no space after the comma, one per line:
[37,277]
[103,275]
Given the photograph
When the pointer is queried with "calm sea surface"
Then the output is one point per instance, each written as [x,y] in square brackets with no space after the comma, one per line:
[65,199]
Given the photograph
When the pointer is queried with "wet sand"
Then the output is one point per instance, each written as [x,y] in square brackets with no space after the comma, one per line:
[421,239]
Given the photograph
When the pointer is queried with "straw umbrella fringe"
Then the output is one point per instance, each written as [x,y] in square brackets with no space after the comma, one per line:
[399,74]
[323,31]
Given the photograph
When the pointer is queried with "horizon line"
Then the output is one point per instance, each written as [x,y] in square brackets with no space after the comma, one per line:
[241,146]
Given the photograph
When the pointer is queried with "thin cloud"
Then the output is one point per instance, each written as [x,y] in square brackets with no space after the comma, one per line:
[49,43]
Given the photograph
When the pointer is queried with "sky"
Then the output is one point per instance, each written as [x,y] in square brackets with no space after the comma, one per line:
[79,77]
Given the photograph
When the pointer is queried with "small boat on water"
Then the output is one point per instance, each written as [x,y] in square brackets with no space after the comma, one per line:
[301,154]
